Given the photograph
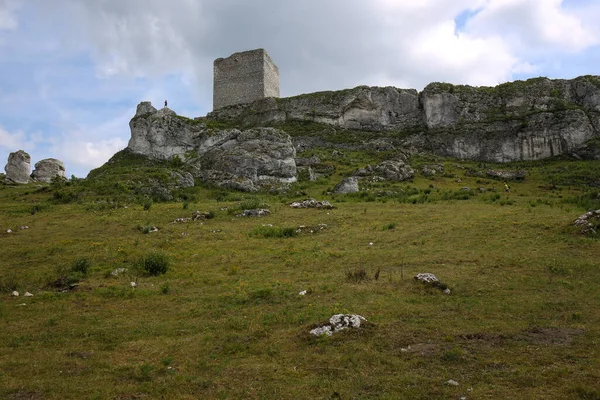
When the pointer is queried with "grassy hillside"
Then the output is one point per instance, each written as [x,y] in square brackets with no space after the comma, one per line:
[226,320]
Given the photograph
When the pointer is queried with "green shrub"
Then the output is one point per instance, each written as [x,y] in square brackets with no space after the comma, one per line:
[147,204]
[81,265]
[155,263]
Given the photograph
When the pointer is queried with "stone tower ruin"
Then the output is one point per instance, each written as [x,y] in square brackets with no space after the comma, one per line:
[244,77]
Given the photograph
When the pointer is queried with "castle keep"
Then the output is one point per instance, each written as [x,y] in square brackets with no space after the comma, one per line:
[244,77]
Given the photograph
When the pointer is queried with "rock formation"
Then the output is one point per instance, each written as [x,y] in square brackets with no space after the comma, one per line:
[48,169]
[18,167]
[522,120]
[240,159]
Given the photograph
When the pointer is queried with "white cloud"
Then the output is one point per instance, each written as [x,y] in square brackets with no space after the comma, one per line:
[8,19]
[13,141]
[535,25]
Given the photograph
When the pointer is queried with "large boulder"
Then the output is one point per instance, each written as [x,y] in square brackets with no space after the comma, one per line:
[48,169]
[18,167]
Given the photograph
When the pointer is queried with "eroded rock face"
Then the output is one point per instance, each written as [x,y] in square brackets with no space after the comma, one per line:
[18,167]
[370,108]
[237,159]
[48,169]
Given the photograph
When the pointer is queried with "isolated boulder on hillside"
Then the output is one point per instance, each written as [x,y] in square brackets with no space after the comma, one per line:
[18,167]
[348,185]
[391,170]
[48,169]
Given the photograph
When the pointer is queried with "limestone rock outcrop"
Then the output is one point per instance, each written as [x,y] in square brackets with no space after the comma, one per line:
[238,159]
[18,167]
[48,169]
[521,120]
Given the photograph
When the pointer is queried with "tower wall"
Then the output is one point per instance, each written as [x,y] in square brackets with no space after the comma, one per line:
[243,78]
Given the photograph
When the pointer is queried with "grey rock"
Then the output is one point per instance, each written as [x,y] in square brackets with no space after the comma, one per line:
[27,294]
[15,293]
[18,167]
[259,212]
[48,169]
[431,170]
[145,107]
[589,223]
[426,277]
[312,203]
[307,161]
[182,179]
[392,170]
[348,185]
[337,323]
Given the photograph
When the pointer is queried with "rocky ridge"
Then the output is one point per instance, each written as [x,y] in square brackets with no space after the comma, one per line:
[521,120]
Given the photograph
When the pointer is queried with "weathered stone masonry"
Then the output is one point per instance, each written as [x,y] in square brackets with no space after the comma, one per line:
[244,77]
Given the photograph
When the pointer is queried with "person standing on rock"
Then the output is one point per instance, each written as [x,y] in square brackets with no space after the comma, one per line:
[165,104]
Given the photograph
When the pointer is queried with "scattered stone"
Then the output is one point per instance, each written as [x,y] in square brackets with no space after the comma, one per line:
[432,170]
[337,323]
[48,169]
[312,203]
[312,176]
[452,382]
[132,284]
[431,280]
[23,227]
[15,293]
[18,168]
[9,231]
[302,293]
[311,229]
[589,223]
[119,271]
[348,185]
[426,278]
[370,243]
[507,175]
[391,170]
[152,229]
[258,212]
[27,294]
[465,188]
[307,161]
[181,220]
[201,215]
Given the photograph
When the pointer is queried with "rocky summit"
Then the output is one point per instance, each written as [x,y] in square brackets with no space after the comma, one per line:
[234,158]
[521,120]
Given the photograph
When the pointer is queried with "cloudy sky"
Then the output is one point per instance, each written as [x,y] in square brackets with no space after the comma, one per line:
[73,71]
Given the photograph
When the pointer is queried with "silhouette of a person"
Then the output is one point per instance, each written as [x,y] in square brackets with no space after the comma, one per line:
[165,103]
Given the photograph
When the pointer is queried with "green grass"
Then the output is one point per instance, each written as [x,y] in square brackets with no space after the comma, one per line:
[226,320]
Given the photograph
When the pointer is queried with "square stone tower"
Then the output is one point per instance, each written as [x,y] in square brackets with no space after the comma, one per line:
[244,77]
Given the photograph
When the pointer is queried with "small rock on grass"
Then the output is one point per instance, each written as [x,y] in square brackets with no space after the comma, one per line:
[452,382]
[15,293]
[27,294]
[337,323]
